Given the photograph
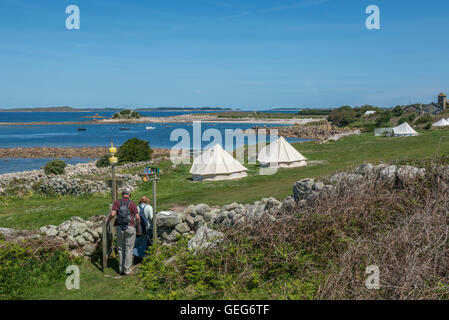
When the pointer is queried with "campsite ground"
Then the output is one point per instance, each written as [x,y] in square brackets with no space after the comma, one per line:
[174,189]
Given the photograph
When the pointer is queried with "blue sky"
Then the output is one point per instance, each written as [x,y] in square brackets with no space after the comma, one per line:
[242,54]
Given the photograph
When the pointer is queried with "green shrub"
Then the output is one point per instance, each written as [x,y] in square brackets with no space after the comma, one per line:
[126,114]
[383,120]
[360,111]
[134,150]
[342,116]
[30,264]
[55,167]
[238,269]
[410,117]
[397,111]
[402,120]
[103,162]
[428,126]
[315,112]
[424,119]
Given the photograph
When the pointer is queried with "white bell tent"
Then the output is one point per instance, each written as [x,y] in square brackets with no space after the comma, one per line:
[404,130]
[216,164]
[441,123]
[281,154]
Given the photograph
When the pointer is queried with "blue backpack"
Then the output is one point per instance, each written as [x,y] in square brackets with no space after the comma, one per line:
[143,220]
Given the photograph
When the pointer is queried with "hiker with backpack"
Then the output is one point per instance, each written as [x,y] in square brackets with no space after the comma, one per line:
[127,225]
[146,225]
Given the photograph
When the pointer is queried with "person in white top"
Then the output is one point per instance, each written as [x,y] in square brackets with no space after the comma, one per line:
[146,215]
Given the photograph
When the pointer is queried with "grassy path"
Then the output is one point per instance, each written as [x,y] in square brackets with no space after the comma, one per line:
[94,285]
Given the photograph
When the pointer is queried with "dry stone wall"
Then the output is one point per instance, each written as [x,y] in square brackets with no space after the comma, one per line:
[201,222]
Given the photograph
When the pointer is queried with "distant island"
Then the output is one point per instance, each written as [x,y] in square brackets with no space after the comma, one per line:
[70,109]
[184,109]
[285,109]
[58,109]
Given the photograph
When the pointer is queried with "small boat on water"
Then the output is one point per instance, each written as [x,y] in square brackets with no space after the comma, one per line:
[124,128]
[150,128]
[81,129]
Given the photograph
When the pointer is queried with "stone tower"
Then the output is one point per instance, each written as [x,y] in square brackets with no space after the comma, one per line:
[442,101]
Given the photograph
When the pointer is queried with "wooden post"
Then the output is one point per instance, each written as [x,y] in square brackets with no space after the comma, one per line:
[154,212]
[104,240]
[114,185]
[106,226]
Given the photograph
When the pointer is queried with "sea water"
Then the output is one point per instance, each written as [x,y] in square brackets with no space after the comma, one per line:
[96,135]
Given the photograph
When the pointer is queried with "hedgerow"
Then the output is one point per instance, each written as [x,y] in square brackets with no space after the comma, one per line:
[321,249]
[30,263]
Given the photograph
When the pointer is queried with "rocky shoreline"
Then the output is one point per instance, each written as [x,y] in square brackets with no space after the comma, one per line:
[323,131]
[206,118]
[59,152]
[78,179]
[185,118]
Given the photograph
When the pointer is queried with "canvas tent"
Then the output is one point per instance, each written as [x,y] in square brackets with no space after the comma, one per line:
[216,164]
[404,130]
[441,123]
[281,154]
[383,132]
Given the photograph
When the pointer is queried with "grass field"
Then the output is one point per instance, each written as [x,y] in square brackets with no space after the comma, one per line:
[175,188]
[94,285]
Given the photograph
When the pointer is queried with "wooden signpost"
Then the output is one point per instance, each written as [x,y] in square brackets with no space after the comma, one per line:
[105,244]
[108,229]
[107,240]
[152,174]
